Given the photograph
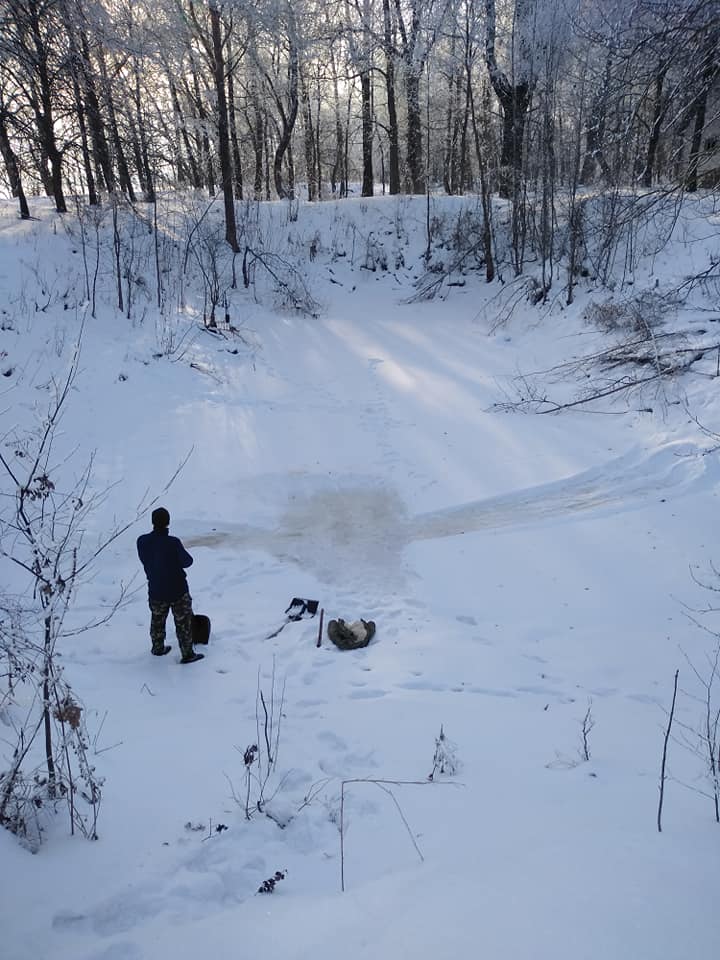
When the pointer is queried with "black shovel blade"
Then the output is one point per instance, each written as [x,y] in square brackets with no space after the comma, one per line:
[300,609]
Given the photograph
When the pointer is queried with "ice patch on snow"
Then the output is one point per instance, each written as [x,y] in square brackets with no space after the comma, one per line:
[361,531]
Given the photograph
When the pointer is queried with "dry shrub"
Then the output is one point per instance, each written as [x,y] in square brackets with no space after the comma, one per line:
[639,314]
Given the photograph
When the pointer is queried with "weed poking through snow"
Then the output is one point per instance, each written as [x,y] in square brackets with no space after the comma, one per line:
[445,759]
[268,886]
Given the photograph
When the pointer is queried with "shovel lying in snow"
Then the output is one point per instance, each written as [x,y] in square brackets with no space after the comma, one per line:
[298,609]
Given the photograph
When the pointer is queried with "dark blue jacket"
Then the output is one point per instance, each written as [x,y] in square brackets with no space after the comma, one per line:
[164,558]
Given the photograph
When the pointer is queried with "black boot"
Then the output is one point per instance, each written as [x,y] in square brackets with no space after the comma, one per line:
[161,653]
[193,657]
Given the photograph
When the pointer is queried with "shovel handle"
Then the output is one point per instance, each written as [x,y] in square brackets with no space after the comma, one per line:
[319,639]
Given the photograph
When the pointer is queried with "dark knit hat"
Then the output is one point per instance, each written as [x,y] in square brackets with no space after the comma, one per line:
[160,518]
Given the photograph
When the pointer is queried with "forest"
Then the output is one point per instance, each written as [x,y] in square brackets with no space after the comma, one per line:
[551,105]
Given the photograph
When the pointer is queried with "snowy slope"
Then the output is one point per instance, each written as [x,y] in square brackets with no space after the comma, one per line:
[520,569]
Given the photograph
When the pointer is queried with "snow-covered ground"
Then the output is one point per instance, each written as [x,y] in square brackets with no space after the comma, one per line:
[521,569]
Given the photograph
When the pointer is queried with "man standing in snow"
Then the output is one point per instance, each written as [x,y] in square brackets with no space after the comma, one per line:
[165,559]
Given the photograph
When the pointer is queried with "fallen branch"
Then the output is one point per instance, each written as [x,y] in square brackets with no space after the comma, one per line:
[382,785]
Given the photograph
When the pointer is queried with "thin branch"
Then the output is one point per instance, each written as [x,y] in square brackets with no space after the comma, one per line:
[664,753]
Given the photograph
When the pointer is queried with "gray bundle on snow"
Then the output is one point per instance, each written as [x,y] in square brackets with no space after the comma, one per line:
[351,636]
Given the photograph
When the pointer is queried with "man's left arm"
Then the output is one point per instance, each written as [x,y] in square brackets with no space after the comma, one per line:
[185,559]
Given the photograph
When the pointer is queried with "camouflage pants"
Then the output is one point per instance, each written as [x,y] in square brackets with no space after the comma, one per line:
[182,615]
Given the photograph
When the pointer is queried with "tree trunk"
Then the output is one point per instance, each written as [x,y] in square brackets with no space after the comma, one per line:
[654,140]
[57,182]
[84,149]
[195,177]
[465,170]
[515,107]
[76,71]
[336,175]
[393,138]
[144,169]
[485,191]
[515,98]
[691,178]
[318,150]
[308,140]
[236,158]
[44,115]
[337,171]
[205,139]
[595,130]
[288,124]
[416,173]
[257,130]
[13,170]
[42,164]
[223,128]
[137,153]
[368,183]
[267,160]
[709,69]
[123,169]
[101,150]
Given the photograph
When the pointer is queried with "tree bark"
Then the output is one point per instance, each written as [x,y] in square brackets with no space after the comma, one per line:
[144,168]
[123,169]
[336,177]
[654,140]
[368,125]
[101,150]
[691,178]
[308,140]
[709,69]
[485,190]
[393,137]
[515,98]
[288,122]
[226,170]
[416,173]
[257,133]
[43,106]
[368,181]
[204,139]
[595,131]
[232,117]
[13,169]
[195,177]
[84,149]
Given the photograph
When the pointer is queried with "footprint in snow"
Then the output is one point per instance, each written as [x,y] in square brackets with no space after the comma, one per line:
[124,950]
[67,920]
[332,739]
[485,641]
[488,692]
[430,685]
[545,692]
[124,912]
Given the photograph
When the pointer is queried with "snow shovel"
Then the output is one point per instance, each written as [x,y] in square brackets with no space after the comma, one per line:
[299,609]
